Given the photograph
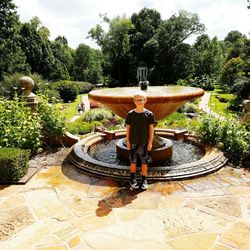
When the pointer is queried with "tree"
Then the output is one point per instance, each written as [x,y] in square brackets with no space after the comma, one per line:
[207,56]
[234,42]
[12,59]
[144,46]
[246,57]
[231,72]
[115,45]
[8,19]
[64,57]
[37,47]
[62,40]
[182,62]
[233,36]
[170,36]
[87,64]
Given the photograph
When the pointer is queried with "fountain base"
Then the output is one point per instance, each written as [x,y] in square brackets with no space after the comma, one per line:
[159,154]
[79,156]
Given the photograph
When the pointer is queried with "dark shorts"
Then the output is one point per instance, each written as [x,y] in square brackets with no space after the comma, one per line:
[139,152]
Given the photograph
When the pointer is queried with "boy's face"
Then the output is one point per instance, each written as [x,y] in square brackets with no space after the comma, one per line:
[140,101]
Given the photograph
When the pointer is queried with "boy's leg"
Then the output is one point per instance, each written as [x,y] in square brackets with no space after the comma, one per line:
[143,154]
[144,168]
[133,182]
[132,170]
[133,158]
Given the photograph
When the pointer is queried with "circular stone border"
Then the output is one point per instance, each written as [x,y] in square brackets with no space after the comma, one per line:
[212,161]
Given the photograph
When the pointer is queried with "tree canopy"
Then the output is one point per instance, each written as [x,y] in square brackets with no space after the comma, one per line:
[143,39]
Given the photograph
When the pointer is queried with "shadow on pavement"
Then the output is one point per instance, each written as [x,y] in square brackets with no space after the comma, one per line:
[121,198]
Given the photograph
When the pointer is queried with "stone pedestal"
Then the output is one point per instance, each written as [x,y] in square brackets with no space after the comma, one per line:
[32,102]
[159,153]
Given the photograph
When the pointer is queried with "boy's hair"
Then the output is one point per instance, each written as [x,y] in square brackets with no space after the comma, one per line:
[140,94]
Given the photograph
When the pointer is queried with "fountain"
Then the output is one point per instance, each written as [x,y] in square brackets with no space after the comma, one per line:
[162,101]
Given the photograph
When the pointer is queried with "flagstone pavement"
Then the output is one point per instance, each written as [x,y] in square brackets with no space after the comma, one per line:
[62,208]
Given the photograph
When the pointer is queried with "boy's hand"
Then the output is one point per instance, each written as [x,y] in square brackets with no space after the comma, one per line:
[149,147]
[128,145]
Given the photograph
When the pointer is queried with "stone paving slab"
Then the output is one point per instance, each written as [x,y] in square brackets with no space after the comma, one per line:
[62,208]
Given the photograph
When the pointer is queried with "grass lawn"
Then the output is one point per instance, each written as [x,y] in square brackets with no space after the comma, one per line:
[68,110]
[221,107]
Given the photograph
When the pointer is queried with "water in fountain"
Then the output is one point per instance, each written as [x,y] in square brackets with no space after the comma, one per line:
[183,152]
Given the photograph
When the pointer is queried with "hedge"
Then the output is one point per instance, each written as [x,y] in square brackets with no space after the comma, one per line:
[13,164]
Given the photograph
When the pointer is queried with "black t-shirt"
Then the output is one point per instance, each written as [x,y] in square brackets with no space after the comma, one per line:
[139,122]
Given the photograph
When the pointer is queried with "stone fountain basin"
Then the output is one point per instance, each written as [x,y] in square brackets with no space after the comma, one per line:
[79,156]
[161,100]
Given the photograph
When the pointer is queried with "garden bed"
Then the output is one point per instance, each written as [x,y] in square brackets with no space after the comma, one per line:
[50,157]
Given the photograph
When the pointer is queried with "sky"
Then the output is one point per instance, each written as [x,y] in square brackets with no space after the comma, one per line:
[74,18]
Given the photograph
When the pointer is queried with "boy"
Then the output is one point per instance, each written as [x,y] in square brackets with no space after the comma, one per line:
[139,134]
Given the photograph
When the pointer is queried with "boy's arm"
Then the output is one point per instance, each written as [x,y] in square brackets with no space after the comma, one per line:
[128,135]
[151,136]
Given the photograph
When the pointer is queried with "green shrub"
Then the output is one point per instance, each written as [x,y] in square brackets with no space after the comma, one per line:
[234,138]
[205,82]
[53,124]
[19,128]
[117,120]
[13,164]
[178,121]
[111,127]
[241,88]
[183,82]
[101,118]
[188,108]
[68,90]
[106,122]
[84,87]
[223,99]
[236,142]
[97,114]
[52,94]
[81,87]
[81,128]
[171,119]
[235,104]
[208,130]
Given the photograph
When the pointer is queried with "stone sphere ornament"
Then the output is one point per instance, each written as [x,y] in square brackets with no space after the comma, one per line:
[27,84]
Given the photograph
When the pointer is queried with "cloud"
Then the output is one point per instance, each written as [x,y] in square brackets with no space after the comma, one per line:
[74,19]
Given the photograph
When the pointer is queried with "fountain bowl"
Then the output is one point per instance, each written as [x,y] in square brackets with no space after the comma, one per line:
[161,100]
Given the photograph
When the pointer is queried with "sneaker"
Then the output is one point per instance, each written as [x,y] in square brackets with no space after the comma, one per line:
[144,184]
[134,184]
